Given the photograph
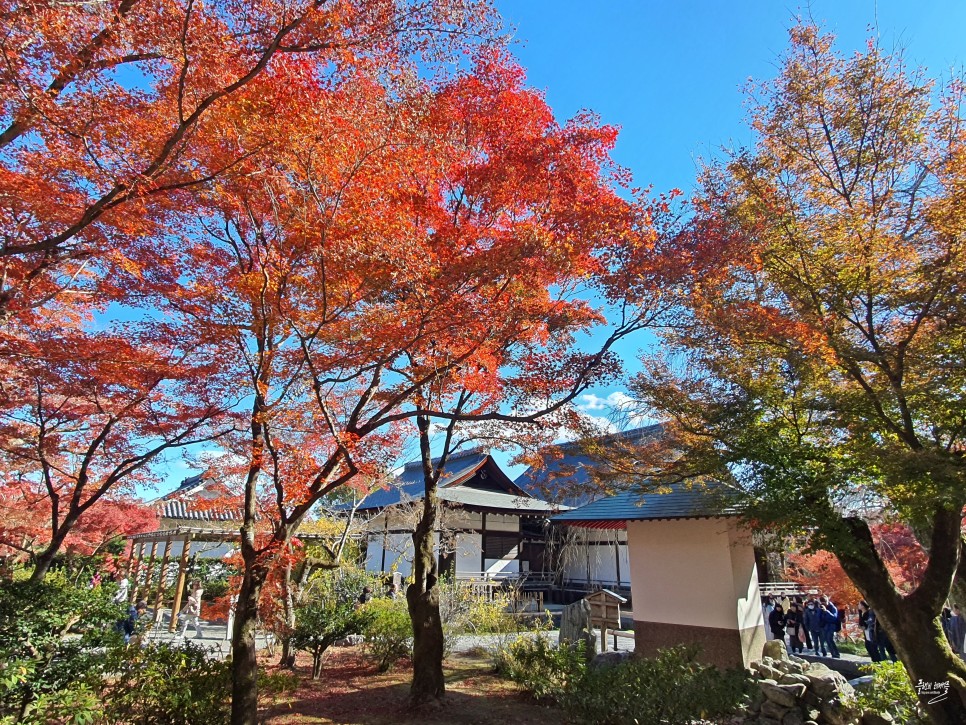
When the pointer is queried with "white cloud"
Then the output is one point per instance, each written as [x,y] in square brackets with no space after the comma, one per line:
[616,405]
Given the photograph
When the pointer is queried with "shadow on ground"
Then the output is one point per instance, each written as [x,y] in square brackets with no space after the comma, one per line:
[351,691]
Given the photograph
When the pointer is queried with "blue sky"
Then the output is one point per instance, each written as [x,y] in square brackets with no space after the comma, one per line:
[671,74]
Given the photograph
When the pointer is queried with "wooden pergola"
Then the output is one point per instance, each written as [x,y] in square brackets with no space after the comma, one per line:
[160,543]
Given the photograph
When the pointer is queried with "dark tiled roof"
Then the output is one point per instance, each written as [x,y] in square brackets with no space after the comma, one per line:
[190,511]
[466,472]
[570,472]
[188,486]
[481,498]
[679,502]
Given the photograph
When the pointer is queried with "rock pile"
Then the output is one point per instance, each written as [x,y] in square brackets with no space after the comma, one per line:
[796,692]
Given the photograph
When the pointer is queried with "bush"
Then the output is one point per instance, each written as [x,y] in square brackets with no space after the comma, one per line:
[464,611]
[53,638]
[62,660]
[321,622]
[388,631]
[161,684]
[890,692]
[670,688]
[547,671]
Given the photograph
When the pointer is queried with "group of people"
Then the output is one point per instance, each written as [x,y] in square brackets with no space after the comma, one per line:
[131,625]
[812,625]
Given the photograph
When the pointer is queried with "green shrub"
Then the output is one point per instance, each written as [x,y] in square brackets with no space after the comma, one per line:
[388,631]
[890,692]
[53,638]
[670,688]
[465,611]
[547,671]
[277,684]
[321,622]
[161,684]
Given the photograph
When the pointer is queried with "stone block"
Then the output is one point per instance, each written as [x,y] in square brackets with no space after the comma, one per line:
[775,648]
[773,710]
[784,695]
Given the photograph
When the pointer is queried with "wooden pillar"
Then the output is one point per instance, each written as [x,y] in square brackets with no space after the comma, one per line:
[483,544]
[149,571]
[385,538]
[162,573]
[179,584]
[617,557]
[135,571]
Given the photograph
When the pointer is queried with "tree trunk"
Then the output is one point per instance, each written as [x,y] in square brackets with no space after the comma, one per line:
[912,620]
[317,663]
[428,683]
[44,559]
[422,596]
[244,662]
[288,603]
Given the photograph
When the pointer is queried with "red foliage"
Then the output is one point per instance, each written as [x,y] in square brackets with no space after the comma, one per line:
[900,551]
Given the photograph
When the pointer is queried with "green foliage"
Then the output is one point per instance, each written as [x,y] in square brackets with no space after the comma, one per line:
[890,692]
[52,640]
[278,683]
[321,622]
[544,669]
[161,684]
[61,660]
[670,688]
[389,631]
[465,611]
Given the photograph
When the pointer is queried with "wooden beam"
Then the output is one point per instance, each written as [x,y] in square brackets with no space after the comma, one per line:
[162,573]
[179,584]
[149,571]
[135,572]
[483,543]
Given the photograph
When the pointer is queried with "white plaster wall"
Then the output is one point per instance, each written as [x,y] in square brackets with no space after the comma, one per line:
[400,552]
[603,562]
[694,572]
[506,565]
[745,578]
[468,547]
[625,563]
[460,519]
[374,553]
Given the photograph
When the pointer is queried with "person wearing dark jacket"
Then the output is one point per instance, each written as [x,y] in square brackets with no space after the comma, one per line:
[793,627]
[829,618]
[867,625]
[776,622]
[882,641]
[813,625]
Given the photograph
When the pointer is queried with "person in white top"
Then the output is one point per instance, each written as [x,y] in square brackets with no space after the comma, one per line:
[192,610]
[123,587]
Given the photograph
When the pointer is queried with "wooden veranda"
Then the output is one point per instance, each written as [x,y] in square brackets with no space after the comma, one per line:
[158,546]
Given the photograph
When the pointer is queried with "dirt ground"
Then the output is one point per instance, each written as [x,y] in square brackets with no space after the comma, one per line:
[352,691]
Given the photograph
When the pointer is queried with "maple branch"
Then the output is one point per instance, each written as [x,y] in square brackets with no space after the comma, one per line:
[82,60]
[122,191]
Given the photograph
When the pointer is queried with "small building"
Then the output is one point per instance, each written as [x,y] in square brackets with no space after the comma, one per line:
[586,559]
[198,504]
[692,570]
[489,527]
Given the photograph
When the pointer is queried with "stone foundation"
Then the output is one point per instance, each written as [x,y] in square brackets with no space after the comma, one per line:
[719,646]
